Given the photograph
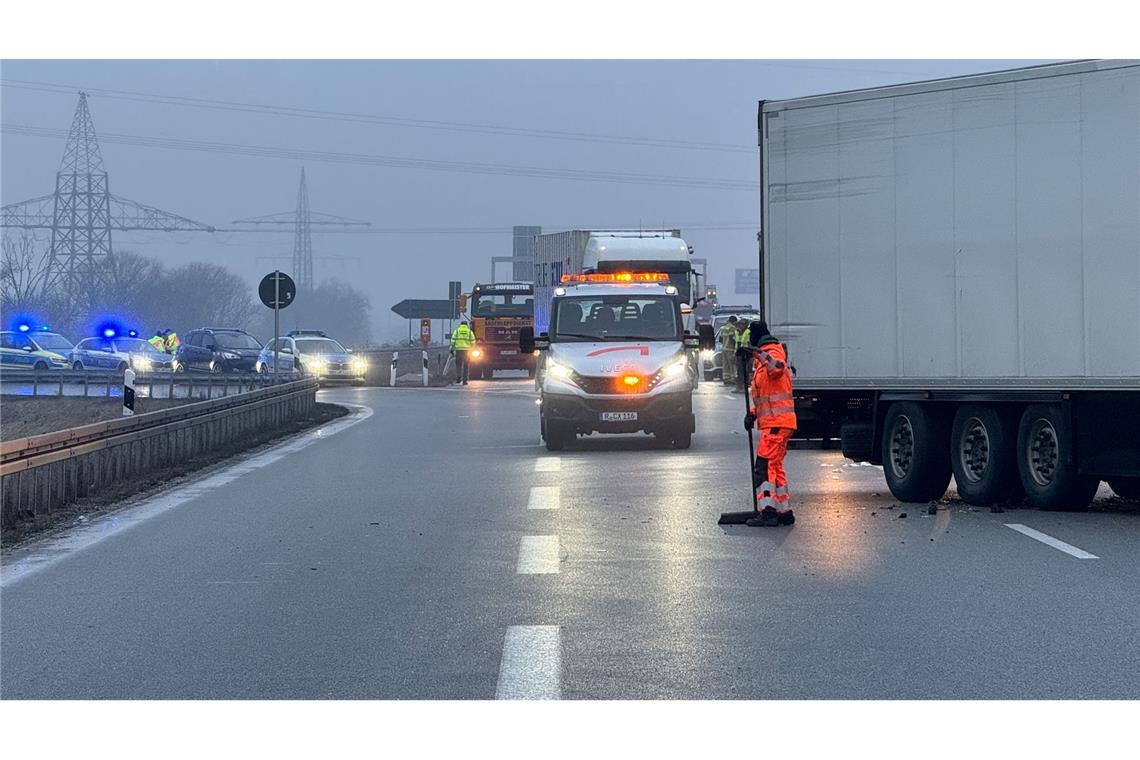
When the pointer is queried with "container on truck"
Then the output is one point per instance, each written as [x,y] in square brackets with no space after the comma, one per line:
[609,251]
[955,267]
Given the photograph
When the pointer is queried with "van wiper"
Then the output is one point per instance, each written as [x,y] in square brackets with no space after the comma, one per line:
[578,335]
[638,337]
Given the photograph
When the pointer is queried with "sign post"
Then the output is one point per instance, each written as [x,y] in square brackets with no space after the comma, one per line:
[277,290]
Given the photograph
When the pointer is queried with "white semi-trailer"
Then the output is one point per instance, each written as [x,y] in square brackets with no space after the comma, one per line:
[955,266]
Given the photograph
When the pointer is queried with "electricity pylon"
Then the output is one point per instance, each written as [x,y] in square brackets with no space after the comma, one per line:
[82,212]
[302,221]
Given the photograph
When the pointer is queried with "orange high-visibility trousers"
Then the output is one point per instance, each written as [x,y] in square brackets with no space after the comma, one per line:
[771,480]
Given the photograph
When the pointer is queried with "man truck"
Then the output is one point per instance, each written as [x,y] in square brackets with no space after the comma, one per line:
[498,311]
[955,267]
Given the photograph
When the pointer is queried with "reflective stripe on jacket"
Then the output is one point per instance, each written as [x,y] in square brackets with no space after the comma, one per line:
[158,342]
[772,400]
[462,338]
[728,337]
[172,343]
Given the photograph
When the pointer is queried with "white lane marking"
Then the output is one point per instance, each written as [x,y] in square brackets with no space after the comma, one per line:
[548,464]
[44,554]
[544,497]
[531,667]
[538,555]
[1048,540]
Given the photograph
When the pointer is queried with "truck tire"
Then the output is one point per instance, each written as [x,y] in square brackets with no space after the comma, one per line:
[1045,461]
[983,455]
[857,441]
[916,452]
[1126,488]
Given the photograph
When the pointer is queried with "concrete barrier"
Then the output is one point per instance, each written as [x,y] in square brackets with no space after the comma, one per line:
[409,366]
[41,474]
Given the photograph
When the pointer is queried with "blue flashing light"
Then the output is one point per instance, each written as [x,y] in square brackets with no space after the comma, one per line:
[108,332]
[132,333]
[24,328]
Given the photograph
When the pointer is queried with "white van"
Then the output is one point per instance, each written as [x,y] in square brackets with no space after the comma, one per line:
[616,360]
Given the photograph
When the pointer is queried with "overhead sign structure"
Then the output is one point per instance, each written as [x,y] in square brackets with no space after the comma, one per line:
[277,290]
[425,308]
[425,331]
[747,281]
[454,289]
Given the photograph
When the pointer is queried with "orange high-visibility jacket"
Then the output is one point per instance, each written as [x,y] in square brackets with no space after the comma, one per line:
[772,400]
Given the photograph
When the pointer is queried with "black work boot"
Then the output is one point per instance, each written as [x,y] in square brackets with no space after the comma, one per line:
[768,518]
[785,517]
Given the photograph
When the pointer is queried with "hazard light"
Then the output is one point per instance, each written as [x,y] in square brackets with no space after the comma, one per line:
[617,277]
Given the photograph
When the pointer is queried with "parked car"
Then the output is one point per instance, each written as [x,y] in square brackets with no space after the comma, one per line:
[714,359]
[217,349]
[119,354]
[312,353]
[35,351]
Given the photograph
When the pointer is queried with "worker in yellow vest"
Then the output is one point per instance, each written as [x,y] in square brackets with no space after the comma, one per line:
[462,341]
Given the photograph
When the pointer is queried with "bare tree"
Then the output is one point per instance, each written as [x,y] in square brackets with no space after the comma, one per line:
[22,272]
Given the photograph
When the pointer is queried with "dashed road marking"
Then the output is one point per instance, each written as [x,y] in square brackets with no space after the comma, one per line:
[544,497]
[531,667]
[538,555]
[1048,540]
[548,464]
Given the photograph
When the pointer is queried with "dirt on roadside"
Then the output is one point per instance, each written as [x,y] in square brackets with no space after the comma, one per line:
[22,416]
[124,494]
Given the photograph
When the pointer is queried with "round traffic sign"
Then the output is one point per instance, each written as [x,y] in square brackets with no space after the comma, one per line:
[277,290]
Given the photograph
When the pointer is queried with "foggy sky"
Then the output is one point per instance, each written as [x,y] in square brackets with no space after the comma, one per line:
[692,101]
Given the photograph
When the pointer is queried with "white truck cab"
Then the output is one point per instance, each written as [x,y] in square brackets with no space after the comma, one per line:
[617,359]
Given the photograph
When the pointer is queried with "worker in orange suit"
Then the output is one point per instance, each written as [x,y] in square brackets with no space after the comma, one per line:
[774,411]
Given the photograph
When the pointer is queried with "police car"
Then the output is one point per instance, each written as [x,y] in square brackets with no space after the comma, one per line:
[34,349]
[115,352]
[312,353]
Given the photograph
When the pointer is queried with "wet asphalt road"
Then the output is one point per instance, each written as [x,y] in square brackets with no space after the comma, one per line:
[417,553]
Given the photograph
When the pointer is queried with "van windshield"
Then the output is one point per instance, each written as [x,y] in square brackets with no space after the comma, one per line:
[616,317]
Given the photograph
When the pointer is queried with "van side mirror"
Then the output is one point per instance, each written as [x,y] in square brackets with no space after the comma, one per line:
[706,338]
[526,340]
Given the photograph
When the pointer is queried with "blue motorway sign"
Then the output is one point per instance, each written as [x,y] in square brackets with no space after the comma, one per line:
[747,281]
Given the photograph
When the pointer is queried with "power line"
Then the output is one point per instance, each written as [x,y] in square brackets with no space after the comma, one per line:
[462,167]
[392,121]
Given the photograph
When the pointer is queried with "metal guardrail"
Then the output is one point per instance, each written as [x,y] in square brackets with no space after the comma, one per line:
[109,383]
[41,473]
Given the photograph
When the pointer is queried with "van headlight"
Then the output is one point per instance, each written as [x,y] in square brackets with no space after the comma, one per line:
[360,364]
[561,371]
[677,368]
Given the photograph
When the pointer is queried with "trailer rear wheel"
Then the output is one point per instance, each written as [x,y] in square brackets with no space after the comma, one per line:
[916,452]
[1126,488]
[1046,463]
[983,454]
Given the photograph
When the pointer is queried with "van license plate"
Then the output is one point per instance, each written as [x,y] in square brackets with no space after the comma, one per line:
[508,352]
[619,416]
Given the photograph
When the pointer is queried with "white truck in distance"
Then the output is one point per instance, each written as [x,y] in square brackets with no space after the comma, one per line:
[616,360]
[608,251]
